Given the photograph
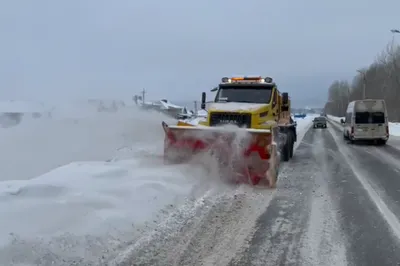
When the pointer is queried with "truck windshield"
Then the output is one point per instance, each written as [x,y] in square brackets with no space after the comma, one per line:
[244,94]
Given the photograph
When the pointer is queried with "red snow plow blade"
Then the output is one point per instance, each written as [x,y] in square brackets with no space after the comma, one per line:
[249,155]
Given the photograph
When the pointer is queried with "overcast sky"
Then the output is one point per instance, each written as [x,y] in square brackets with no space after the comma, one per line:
[61,49]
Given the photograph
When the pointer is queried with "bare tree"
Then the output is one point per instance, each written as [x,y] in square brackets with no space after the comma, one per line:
[380,80]
[338,97]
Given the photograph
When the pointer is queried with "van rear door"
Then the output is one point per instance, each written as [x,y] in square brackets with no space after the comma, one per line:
[370,125]
[362,127]
[378,122]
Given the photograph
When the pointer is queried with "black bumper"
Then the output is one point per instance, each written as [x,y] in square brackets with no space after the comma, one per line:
[319,125]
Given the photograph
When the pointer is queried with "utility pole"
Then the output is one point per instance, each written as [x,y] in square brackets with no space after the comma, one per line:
[348,95]
[143,94]
[195,107]
[394,32]
[364,82]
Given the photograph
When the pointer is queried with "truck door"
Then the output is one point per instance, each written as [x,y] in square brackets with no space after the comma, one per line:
[275,105]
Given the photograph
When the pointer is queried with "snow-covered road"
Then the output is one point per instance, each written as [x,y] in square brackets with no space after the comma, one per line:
[336,204]
[81,188]
[114,202]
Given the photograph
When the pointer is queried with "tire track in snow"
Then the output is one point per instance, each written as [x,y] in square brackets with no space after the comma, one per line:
[209,231]
[365,219]
[323,243]
[377,175]
[288,233]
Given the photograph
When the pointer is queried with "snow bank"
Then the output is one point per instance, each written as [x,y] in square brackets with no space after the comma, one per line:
[303,124]
[78,188]
[335,118]
[89,198]
[110,185]
[394,128]
[31,149]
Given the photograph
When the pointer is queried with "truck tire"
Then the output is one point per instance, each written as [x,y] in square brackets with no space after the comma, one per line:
[291,148]
[286,148]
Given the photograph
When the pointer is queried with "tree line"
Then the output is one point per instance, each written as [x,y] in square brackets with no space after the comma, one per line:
[380,80]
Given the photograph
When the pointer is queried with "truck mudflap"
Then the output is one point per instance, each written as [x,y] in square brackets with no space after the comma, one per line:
[243,155]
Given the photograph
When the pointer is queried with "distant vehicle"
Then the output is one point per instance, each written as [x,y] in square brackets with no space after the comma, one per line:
[320,122]
[302,115]
[167,108]
[366,120]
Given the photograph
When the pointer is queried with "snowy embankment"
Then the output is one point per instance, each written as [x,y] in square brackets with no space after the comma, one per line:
[111,183]
[394,128]
[303,124]
[84,187]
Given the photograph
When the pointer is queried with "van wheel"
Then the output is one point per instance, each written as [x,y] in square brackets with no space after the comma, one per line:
[381,142]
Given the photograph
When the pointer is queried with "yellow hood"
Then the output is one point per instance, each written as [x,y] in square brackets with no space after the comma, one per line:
[236,107]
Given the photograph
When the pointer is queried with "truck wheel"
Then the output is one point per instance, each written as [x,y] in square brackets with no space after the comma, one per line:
[291,150]
[291,147]
[286,149]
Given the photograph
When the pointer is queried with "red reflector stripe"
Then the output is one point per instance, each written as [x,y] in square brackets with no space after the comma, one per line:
[189,143]
[260,150]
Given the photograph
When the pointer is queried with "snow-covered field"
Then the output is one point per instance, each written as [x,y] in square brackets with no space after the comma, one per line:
[394,128]
[82,188]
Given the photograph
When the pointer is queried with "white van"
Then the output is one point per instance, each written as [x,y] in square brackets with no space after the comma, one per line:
[366,120]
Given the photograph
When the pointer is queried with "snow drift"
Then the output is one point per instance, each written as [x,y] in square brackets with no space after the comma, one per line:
[74,188]
[77,189]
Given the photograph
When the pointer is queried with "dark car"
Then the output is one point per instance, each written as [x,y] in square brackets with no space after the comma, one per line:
[319,122]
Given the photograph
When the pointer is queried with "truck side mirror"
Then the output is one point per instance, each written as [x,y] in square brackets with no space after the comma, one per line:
[203,101]
[285,98]
[214,89]
[342,121]
[285,102]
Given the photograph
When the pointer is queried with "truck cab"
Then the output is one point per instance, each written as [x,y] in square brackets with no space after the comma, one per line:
[252,102]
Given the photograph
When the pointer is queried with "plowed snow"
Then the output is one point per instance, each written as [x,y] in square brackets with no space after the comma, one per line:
[110,188]
[113,201]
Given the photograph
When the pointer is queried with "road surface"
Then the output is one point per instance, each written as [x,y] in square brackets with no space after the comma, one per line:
[336,204]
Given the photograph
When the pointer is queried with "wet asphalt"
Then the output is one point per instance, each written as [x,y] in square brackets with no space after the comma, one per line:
[335,204]
[359,231]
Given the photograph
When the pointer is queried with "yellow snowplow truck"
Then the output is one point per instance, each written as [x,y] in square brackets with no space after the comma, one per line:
[248,129]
